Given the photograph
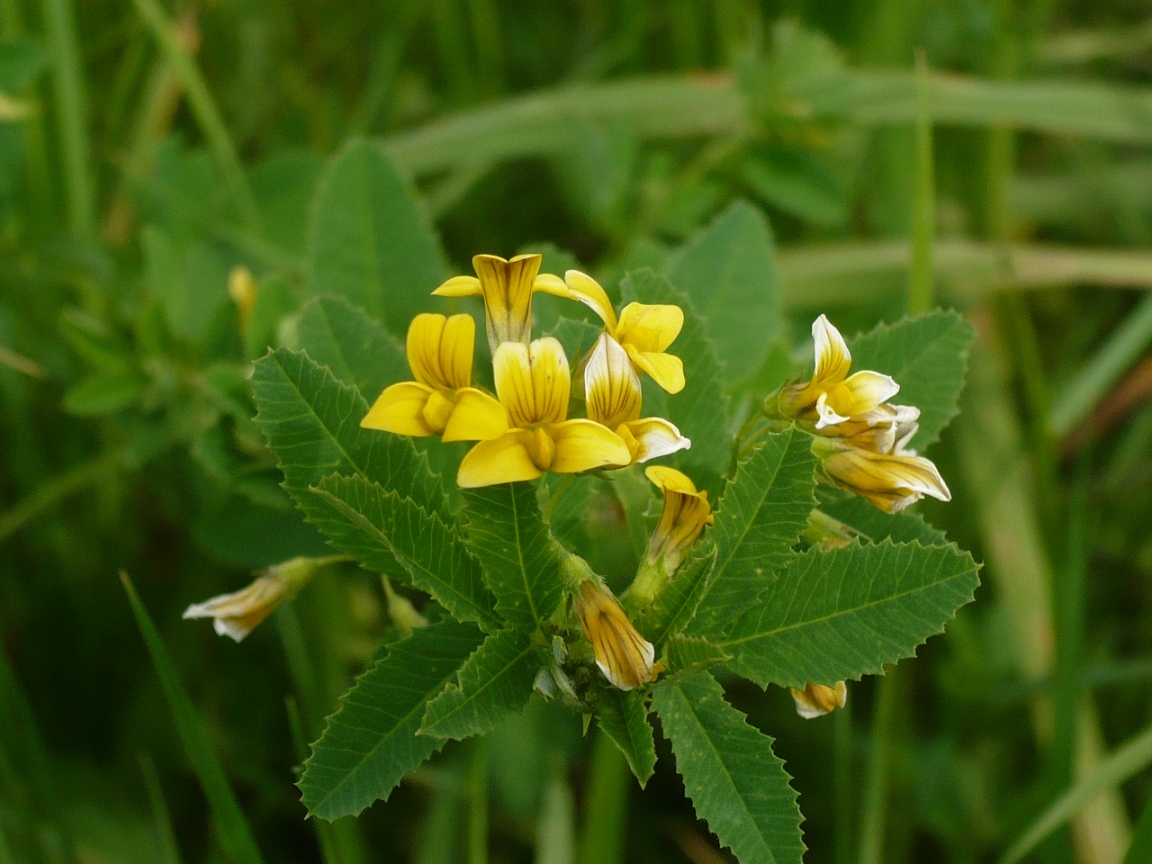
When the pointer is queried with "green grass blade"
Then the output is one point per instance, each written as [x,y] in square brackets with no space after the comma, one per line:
[920,278]
[602,839]
[167,850]
[1141,847]
[1120,351]
[71,115]
[235,833]
[203,107]
[1110,772]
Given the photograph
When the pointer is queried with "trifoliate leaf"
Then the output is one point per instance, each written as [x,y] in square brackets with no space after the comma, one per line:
[495,681]
[624,718]
[380,526]
[521,561]
[736,782]
[760,518]
[928,357]
[370,241]
[838,615]
[370,743]
[729,271]
[351,343]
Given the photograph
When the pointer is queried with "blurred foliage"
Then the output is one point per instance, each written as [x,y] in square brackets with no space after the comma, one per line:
[147,149]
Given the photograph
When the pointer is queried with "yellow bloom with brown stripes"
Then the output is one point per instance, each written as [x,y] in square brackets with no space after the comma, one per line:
[623,655]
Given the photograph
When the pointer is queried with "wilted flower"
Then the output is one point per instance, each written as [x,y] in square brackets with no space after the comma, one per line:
[832,396]
[623,655]
[507,287]
[816,700]
[533,386]
[239,613]
[891,481]
[644,331]
[614,400]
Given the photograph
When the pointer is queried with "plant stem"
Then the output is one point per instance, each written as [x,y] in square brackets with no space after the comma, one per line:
[843,780]
[606,809]
[203,108]
[920,278]
[71,115]
[879,768]
[478,809]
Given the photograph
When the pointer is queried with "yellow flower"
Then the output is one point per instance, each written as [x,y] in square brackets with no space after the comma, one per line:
[440,356]
[891,481]
[614,400]
[816,700]
[686,512]
[832,396]
[533,385]
[884,429]
[644,331]
[507,287]
[623,655]
[239,613]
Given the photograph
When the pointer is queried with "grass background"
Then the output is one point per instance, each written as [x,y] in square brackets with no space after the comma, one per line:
[138,134]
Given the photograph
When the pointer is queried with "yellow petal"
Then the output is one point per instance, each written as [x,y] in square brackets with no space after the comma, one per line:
[833,359]
[507,289]
[587,290]
[549,283]
[501,460]
[654,437]
[440,350]
[665,369]
[582,445]
[400,409]
[650,328]
[611,387]
[438,410]
[532,381]
[669,479]
[477,417]
[459,286]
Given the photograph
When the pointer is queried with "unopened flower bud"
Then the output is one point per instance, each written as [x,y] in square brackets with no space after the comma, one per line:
[890,481]
[242,290]
[623,655]
[816,700]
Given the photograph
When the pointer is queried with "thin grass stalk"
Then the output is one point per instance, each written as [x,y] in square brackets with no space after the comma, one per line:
[478,802]
[844,783]
[874,810]
[204,109]
[167,850]
[71,116]
[606,805]
[920,278]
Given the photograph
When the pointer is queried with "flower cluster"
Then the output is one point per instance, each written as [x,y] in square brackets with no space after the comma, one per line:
[861,440]
[524,429]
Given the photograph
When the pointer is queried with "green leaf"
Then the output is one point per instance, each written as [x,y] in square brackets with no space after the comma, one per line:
[106,392]
[700,410]
[684,653]
[192,282]
[928,357]
[495,681]
[21,60]
[370,743]
[277,297]
[798,181]
[370,241]
[520,559]
[729,271]
[312,423]
[675,606]
[838,615]
[760,518]
[234,831]
[736,782]
[351,343]
[624,718]
[379,526]
[875,525]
